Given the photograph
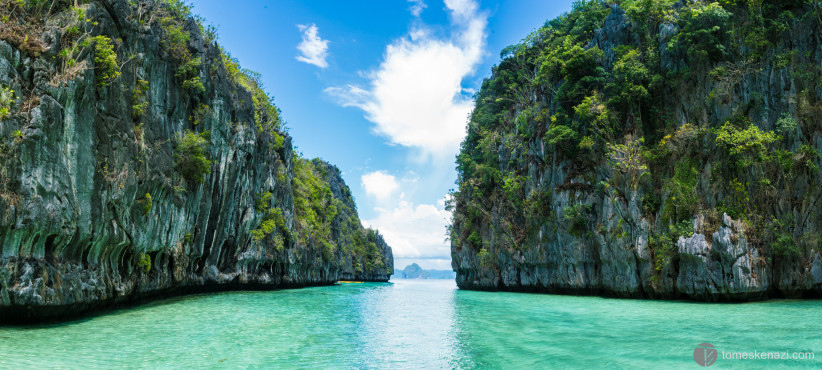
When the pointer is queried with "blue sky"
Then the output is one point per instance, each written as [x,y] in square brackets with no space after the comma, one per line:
[382,89]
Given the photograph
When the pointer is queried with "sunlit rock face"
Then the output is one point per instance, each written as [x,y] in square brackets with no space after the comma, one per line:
[95,208]
[614,153]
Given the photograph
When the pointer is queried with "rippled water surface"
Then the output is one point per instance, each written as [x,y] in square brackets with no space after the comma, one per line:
[417,324]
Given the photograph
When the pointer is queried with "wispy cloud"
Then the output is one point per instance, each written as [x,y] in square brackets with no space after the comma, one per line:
[417,7]
[415,97]
[313,49]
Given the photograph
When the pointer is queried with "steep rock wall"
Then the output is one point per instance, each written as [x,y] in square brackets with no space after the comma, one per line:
[607,151]
[96,208]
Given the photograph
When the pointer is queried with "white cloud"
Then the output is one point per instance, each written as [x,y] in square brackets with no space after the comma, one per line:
[415,97]
[416,7]
[313,48]
[380,184]
[414,231]
[465,9]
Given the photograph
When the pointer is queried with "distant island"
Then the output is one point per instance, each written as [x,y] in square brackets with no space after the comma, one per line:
[414,271]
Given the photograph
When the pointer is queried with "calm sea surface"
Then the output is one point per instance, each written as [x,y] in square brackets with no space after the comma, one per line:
[417,324]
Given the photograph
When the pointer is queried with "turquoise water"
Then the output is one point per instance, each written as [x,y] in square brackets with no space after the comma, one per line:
[416,324]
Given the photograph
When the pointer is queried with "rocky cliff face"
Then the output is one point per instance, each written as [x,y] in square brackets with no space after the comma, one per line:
[372,258]
[659,149]
[137,159]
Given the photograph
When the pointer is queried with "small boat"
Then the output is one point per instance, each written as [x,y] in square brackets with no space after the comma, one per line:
[349,282]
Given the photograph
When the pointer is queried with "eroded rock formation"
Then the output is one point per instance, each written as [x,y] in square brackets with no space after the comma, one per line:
[163,172]
[657,149]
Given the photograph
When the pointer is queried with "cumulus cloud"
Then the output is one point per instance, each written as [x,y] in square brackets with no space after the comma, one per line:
[416,7]
[380,184]
[313,49]
[414,231]
[415,97]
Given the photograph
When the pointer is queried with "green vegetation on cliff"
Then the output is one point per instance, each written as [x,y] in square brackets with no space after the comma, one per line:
[137,157]
[638,122]
[325,212]
[315,206]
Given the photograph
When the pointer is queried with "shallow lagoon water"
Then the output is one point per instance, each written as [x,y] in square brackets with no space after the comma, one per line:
[417,324]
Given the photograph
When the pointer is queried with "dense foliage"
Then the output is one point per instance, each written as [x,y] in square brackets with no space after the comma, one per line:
[325,218]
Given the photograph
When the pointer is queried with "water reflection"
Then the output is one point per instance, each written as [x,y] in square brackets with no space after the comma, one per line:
[410,324]
[415,324]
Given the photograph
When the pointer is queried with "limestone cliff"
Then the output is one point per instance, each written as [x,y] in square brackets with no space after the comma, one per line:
[137,159]
[649,148]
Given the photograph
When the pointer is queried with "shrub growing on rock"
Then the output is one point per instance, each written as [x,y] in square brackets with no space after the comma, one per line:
[6,101]
[144,263]
[190,156]
[105,61]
